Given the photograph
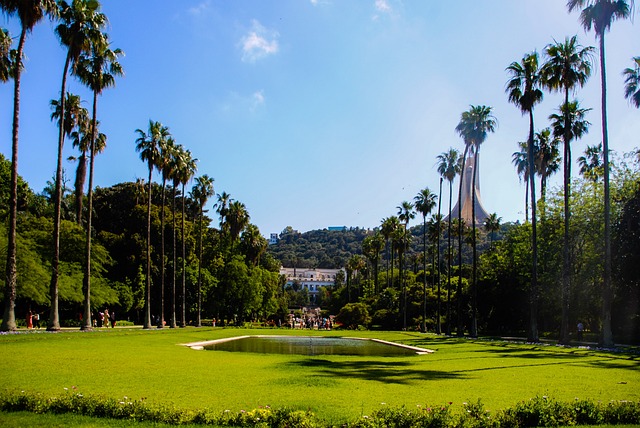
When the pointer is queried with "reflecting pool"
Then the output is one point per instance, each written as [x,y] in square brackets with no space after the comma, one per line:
[312,346]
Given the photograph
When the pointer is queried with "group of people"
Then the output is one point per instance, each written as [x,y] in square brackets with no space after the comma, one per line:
[32,319]
[104,319]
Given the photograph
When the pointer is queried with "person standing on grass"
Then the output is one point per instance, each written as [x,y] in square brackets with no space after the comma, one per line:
[113,319]
[580,330]
[29,319]
[106,318]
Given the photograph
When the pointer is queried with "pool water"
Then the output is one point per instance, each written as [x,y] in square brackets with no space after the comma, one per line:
[312,346]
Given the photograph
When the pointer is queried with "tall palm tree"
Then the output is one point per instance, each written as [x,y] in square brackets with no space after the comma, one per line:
[81,25]
[572,114]
[149,147]
[632,82]
[567,68]
[591,163]
[599,15]
[372,246]
[177,167]
[165,165]
[201,192]
[492,224]
[449,167]
[29,13]
[473,127]
[523,89]
[425,202]
[547,159]
[186,174]
[237,219]
[405,214]
[387,228]
[521,161]
[97,69]
[76,125]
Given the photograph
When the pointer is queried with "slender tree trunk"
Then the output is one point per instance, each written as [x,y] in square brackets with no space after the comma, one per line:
[449,257]
[526,200]
[183,322]
[9,317]
[424,273]
[162,264]
[474,274]
[607,290]
[147,293]
[439,323]
[86,319]
[200,271]
[533,297]
[566,248]
[81,174]
[54,321]
[173,270]
[460,331]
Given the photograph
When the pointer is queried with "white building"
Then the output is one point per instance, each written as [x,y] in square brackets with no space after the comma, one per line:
[311,279]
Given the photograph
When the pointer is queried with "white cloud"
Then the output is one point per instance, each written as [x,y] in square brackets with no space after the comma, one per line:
[200,9]
[383,6]
[258,99]
[259,43]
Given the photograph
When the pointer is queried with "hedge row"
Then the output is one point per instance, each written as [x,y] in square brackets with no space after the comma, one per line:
[536,412]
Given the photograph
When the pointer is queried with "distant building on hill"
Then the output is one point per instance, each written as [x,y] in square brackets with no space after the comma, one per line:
[273,239]
[337,228]
[310,279]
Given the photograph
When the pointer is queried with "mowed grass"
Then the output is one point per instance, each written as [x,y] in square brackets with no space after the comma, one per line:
[151,365]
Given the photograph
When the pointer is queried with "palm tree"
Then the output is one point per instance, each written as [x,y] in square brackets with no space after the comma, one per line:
[572,114]
[547,159]
[149,147]
[523,89]
[76,125]
[405,214]
[98,70]
[165,165]
[425,202]
[237,219]
[30,13]
[521,161]
[473,127]
[567,68]
[186,173]
[492,224]
[632,82]
[591,163]
[176,170]
[387,228]
[222,206]
[449,167]
[201,193]
[372,246]
[81,26]
[599,15]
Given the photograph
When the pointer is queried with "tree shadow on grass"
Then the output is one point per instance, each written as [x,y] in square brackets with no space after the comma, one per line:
[381,371]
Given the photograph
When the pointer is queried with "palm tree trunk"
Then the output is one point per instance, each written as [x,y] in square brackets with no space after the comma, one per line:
[566,249]
[9,316]
[424,273]
[81,174]
[173,270]
[147,293]
[449,257]
[474,275]
[86,319]
[607,291]
[183,322]
[526,200]
[54,321]
[533,297]
[438,324]
[162,264]
[460,331]
[200,271]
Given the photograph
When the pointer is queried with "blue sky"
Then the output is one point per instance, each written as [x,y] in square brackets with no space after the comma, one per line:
[317,113]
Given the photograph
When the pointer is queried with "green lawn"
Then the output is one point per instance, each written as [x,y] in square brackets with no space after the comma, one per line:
[151,365]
